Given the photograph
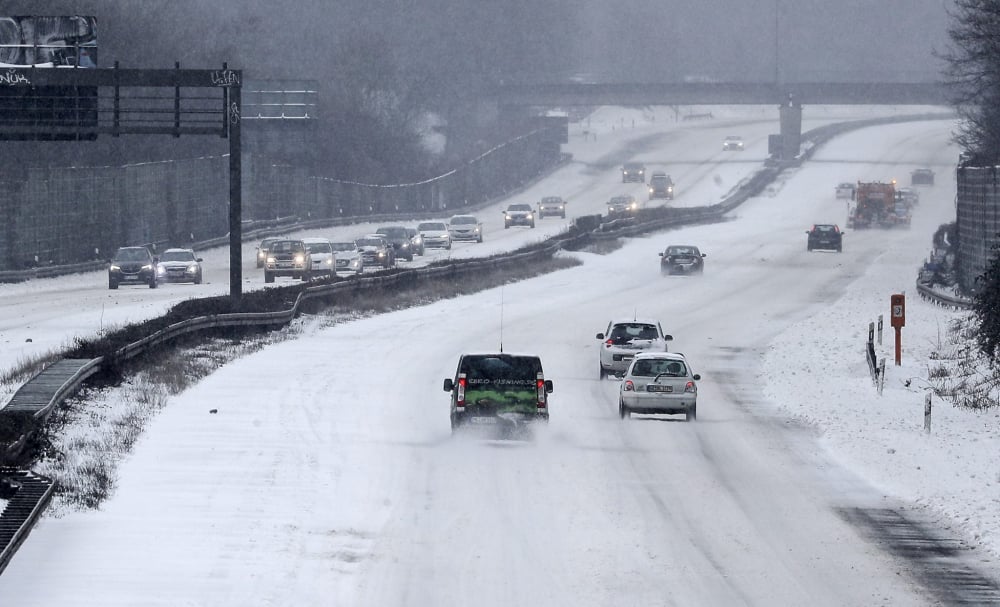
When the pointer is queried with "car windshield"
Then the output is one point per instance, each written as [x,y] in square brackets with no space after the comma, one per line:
[682,251]
[625,332]
[552,200]
[287,246]
[320,247]
[632,166]
[177,256]
[343,246]
[824,228]
[519,207]
[651,367]
[659,178]
[393,232]
[267,242]
[432,227]
[132,255]
[370,242]
[464,220]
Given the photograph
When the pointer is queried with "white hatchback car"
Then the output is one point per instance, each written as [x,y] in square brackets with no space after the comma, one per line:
[435,234]
[348,257]
[659,382]
[623,339]
[324,260]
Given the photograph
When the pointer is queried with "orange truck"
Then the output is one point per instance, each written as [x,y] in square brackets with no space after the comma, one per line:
[875,206]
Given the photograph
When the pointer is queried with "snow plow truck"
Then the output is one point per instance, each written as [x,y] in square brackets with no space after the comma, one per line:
[876,205]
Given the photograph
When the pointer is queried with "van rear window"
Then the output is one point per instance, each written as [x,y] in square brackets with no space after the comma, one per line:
[501,370]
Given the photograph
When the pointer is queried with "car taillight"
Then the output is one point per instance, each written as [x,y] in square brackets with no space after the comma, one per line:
[460,394]
[628,386]
[540,386]
[608,343]
[690,387]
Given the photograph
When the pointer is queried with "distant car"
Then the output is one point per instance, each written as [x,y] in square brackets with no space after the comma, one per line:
[180,265]
[504,391]
[348,257]
[623,339]
[519,214]
[825,236]
[661,186]
[435,234]
[262,250]
[682,259]
[399,238]
[324,259]
[659,382]
[376,251]
[416,241]
[288,257]
[619,206]
[845,190]
[465,227]
[922,177]
[633,171]
[908,195]
[133,266]
[732,143]
[552,205]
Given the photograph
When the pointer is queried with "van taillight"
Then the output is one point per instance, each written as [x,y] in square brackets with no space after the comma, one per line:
[608,343]
[460,395]
[690,387]
[540,385]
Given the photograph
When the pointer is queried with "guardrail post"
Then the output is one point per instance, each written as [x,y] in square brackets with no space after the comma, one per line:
[927,413]
[880,329]
[881,375]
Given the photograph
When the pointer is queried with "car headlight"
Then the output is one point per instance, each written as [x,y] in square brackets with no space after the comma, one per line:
[476,230]
[531,215]
[329,261]
[406,246]
[192,268]
[147,267]
[270,259]
[260,254]
[300,259]
[506,217]
[115,268]
[381,253]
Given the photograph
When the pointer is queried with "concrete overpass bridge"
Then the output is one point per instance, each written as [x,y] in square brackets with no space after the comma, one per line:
[720,93]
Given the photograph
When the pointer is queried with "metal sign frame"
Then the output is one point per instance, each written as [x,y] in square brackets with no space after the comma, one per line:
[45,103]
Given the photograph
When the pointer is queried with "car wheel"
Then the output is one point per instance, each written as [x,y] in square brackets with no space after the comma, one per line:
[809,247]
[197,279]
[456,423]
[840,248]
[691,414]
[506,226]
[532,224]
[152,283]
[604,372]
[112,284]
[268,277]
[480,239]
[623,412]
[563,215]
[409,257]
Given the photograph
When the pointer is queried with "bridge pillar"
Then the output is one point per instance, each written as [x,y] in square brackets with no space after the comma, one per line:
[790,117]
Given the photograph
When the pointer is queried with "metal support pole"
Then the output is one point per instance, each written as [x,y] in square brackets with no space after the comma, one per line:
[899,345]
[880,329]
[233,119]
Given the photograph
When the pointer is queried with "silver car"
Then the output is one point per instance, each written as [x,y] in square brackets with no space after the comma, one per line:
[348,257]
[465,227]
[659,382]
[624,339]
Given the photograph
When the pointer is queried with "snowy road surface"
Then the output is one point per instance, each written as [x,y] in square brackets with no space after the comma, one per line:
[329,475]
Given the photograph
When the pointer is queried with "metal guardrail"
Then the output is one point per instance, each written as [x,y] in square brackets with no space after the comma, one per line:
[955,302]
[22,511]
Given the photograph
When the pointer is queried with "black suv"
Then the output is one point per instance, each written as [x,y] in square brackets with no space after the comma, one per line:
[288,257]
[661,186]
[503,391]
[682,259]
[132,265]
[399,238]
[825,236]
[633,171]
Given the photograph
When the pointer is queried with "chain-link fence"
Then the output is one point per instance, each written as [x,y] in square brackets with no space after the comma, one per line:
[55,216]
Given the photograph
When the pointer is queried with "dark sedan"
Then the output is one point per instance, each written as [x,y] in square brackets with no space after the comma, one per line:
[682,259]
[825,236]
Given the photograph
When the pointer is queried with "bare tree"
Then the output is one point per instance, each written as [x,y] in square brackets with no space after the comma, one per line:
[974,74]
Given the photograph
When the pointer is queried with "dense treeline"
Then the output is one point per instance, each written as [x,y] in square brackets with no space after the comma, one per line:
[383,67]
